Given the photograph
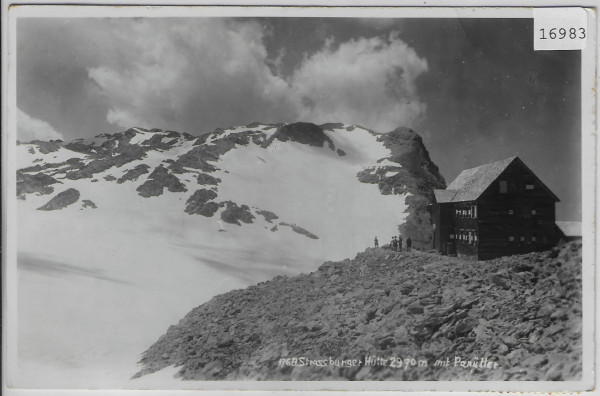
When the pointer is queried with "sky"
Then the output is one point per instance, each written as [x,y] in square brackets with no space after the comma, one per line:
[474,89]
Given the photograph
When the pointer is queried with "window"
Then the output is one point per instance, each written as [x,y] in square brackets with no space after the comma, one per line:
[474,237]
[522,239]
[503,186]
[511,238]
[529,187]
[511,212]
[474,211]
[533,212]
[533,239]
[451,236]
[526,211]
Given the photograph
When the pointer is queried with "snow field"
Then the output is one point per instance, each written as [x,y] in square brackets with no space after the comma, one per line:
[316,189]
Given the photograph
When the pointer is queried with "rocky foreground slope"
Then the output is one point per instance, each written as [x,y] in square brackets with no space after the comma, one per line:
[390,316]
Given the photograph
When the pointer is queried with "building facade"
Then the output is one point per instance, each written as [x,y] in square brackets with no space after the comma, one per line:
[495,210]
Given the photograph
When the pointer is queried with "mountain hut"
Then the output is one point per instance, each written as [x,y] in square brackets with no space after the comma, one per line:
[494,210]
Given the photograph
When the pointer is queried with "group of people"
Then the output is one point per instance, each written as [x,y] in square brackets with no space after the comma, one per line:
[396,243]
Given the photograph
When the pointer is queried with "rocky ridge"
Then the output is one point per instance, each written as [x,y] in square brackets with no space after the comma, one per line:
[62,200]
[408,170]
[390,316]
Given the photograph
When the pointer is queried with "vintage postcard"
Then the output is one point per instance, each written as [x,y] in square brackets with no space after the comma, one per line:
[298,198]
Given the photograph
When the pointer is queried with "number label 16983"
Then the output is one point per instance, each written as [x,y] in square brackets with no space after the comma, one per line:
[562,33]
[564,28]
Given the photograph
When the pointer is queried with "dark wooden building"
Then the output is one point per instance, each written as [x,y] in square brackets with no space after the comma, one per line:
[495,210]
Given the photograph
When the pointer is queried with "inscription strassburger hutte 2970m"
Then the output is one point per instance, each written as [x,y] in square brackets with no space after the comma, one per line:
[393,362]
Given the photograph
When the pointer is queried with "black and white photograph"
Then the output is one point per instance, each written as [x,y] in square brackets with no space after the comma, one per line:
[299,198]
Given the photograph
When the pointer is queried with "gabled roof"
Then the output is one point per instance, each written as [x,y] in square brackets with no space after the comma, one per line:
[444,195]
[471,183]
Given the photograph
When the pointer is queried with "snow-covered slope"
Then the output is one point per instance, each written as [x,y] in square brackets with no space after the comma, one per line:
[120,235]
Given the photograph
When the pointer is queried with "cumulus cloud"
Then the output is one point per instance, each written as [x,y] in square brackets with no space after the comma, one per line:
[196,74]
[29,128]
[190,74]
[370,82]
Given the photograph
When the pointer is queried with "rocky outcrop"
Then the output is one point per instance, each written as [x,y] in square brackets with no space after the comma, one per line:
[299,230]
[86,203]
[38,183]
[330,126]
[196,158]
[133,174]
[158,180]
[156,142]
[269,216]
[222,145]
[233,213]
[416,175]
[302,132]
[62,200]
[390,316]
[203,156]
[199,203]
[106,162]
[47,147]
[207,180]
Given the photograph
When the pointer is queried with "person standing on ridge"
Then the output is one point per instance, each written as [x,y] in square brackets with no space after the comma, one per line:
[394,244]
[399,243]
[376,242]
[408,244]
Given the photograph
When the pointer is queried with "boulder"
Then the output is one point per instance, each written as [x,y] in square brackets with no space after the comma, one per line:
[62,200]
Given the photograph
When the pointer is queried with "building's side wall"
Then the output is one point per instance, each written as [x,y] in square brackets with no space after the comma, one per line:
[515,218]
[443,225]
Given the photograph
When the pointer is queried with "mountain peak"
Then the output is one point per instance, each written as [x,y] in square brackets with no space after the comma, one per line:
[403,133]
[166,162]
[303,132]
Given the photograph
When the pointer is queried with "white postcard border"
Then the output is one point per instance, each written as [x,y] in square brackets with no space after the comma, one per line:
[589,108]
